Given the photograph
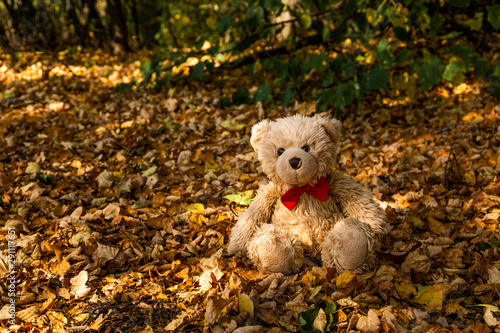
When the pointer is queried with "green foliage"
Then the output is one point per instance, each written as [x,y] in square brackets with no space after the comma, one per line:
[47,179]
[308,317]
[344,64]
[242,198]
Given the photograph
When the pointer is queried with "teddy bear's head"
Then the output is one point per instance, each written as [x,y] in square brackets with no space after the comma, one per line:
[297,150]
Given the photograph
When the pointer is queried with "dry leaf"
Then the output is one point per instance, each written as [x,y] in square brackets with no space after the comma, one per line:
[105,253]
[489,318]
[78,285]
[320,321]
[369,323]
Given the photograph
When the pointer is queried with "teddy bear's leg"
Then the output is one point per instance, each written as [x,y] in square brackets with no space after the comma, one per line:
[348,246]
[275,250]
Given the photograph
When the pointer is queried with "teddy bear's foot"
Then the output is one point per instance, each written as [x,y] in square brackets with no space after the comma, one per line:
[275,250]
[348,246]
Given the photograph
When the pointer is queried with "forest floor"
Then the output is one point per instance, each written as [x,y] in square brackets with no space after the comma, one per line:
[121,225]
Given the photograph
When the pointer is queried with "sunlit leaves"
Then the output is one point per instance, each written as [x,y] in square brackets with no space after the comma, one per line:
[243,198]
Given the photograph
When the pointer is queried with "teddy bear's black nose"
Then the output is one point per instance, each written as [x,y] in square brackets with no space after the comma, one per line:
[295,162]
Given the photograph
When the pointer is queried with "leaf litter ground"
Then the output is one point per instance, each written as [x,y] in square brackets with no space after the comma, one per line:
[117,200]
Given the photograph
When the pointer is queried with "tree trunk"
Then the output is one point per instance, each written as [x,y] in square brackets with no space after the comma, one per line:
[71,10]
[91,17]
[118,26]
[133,9]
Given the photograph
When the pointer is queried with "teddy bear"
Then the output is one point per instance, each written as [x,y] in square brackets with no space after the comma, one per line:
[308,209]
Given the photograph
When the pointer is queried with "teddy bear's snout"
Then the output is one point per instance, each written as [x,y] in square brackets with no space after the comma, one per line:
[295,163]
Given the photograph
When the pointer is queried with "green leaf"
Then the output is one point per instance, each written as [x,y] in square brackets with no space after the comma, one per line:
[463,51]
[307,317]
[482,67]
[272,5]
[348,9]
[495,87]
[452,69]
[404,55]
[196,71]
[305,21]
[494,16]
[315,61]
[254,16]
[287,96]
[421,290]
[47,179]
[149,171]
[241,96]
[345,94]
[325,33]
[263,93]
[435,24]
[242,198]
[430,73]
[477,22]
[377,78]
[459,3]
[451,35]
[328,80]
[383,51]
[489,306]
[224,24]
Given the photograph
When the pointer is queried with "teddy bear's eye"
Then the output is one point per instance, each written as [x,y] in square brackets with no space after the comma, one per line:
[281,151]
[305,148]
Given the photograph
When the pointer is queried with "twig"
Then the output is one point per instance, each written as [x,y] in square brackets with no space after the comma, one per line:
[450,163]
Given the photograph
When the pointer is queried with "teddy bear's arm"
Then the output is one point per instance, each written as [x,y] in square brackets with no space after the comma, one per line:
[258,213]
[358,203]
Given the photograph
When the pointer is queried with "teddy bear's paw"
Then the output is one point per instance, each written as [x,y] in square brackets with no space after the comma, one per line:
[348,246]
[275,251]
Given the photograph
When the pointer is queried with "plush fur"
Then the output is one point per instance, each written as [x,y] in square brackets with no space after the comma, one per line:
[343,230]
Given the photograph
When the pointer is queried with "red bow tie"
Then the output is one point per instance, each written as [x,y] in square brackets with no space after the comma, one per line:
[318,191]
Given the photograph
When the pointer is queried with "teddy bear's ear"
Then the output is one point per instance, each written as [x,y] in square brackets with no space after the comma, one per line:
[332,127]
[258,131]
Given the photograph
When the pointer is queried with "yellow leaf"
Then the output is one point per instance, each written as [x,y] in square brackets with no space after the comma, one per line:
[455,307]
[184,274]
[432,299]
[59,267]
[197,207]
[470,177]
[245,303]
[309,279]
[345,279]
[405,289]
[198,218]
[211,165]
[342,316]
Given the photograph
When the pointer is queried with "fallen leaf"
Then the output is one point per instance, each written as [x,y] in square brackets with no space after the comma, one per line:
[245,303]
[78,285]
[369,323]
[433,297]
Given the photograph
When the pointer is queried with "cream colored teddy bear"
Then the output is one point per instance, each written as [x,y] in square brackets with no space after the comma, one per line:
[307,208]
